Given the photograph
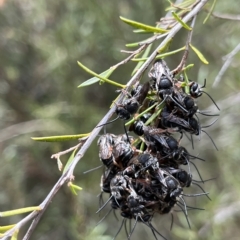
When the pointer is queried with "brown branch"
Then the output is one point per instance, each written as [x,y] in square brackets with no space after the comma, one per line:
[131,56]
[228,60]
[186,52]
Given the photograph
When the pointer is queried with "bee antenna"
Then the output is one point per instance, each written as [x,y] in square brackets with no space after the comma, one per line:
[210,179]
[204,85]
[185,209]
[154,229]
[154,234]
[210,139]
[189,169]
[192,208]
[104,216]
[108,122]
[126,132]
[125,227]
[123,221]
[172,220]
[195,195]
[202,190]
[186,216]
[197,157]
[100,201]
[93,169]
[104,205]
[211,99]
[115,215]
[134,226]
[205,114]
[192,141]
[197,171]
[210,124]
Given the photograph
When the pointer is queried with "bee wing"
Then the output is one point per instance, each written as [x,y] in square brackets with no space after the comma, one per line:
[179,97]
[161,139]
[157,70]
[178,120]
[154,133]
[160,176]
[143,93]
[105,152]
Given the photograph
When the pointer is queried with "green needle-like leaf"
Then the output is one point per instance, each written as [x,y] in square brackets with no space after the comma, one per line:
[154,115]
[159,56]
[145,55]
[136,44]
[6,228]
[186,82]
[165,47]
[60,138]
[185,4]
[143,26]
[210,12]
[15,235]
[180,21]
[139,115]
[69,160]
[131,45]
[99,76]
[141,31]
[188,67]
[170,53]
[73,188]
[199,54]
[19,211]
[93,80]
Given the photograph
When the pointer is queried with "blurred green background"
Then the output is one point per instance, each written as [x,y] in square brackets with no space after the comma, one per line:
[40,43]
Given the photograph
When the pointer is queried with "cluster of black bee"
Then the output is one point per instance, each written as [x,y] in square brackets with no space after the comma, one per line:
[143,175]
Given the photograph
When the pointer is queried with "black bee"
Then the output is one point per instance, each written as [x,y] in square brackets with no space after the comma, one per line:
[122,151]
[173,186]
[163,83]
[158,140]
[105,144]
[160,75]
[135,206]
[166,179]
[148,161]
[106,178]
[167,206]
[131,105]
[118,186]
[167,146]
[184,178]
[196,91]
[188,106]
[170,120]
[115,150]
[138,126]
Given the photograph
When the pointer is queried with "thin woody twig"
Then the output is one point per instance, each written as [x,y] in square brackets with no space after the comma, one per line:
[228,60]
[225,16]
[68,174]
[57,155]
[186,52]
[131,56]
